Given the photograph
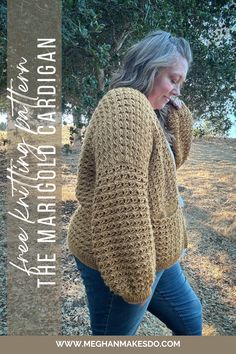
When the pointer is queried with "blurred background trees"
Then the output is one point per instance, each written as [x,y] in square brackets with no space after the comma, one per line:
[96,35]
[3,55]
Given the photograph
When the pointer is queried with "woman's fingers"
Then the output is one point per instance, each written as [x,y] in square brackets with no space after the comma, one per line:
[176,102]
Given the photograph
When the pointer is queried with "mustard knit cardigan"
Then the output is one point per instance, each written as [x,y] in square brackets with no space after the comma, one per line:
[129,224]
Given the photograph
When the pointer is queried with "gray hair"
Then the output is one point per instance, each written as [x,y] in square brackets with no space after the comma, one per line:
[143,61]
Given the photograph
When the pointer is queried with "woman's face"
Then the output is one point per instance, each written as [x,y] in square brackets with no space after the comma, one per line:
[168,83]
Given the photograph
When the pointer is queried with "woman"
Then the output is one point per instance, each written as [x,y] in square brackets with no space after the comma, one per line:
[128,233]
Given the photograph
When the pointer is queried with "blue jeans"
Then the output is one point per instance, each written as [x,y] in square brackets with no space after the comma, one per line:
[172,301]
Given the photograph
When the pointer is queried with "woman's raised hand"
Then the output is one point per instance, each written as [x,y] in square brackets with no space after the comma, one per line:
[176,102]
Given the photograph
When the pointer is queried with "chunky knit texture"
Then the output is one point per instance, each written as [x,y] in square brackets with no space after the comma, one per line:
[129,224]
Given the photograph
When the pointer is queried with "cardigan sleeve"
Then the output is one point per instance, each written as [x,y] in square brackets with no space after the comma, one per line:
[122,236]
[180,122]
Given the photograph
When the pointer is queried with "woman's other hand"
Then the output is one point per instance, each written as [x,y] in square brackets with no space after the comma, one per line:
[176,102]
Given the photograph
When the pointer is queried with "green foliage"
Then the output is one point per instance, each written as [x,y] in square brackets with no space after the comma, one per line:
[3,126]
[72,131]
[3,54]
[215,126]
[67,149]
[96,35]
[198,132]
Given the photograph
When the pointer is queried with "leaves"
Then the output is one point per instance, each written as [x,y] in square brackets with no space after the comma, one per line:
[96,35]
[3,48]
[207,25]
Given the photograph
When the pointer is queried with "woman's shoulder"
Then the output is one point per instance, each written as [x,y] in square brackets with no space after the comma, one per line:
[125,103]
[126,98]
[125,90]
[125,107]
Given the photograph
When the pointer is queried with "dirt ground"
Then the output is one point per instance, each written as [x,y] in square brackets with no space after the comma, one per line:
[207,184]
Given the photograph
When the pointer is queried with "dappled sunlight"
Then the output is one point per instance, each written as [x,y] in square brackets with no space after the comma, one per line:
[3,135]
[68,192]
[223,221]
[208,270]
[209,330]
[65,134]
[207,185]
[69,169]
[210,186]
